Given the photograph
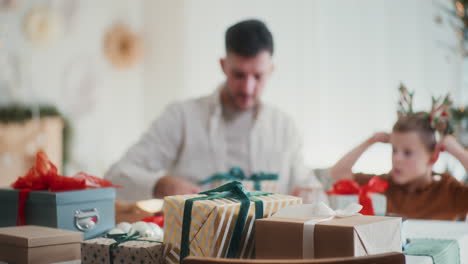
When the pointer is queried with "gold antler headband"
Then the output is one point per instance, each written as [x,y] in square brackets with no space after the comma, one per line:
[405,104]
[439,116]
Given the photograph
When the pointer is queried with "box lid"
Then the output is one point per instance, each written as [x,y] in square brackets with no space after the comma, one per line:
[66,197]
[36,236]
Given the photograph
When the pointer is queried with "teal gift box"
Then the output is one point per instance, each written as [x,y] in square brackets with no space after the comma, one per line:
[90,211]
[265,182]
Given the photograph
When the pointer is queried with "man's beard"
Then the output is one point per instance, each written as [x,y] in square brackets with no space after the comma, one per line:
[232,99]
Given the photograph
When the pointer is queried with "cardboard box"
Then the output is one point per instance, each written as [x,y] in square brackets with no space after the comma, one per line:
[18,145]
[38,245]
[90,211]
[287,238]
[131,252]
[213,223]
[379,202]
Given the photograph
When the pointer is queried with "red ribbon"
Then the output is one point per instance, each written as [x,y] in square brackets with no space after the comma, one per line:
[44,176]
[159,220]
[348,186]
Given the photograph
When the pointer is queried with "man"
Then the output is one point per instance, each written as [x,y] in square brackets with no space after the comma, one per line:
[195,139]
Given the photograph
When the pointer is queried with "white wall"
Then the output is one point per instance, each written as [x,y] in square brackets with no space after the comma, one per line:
[339,63]
[106,113]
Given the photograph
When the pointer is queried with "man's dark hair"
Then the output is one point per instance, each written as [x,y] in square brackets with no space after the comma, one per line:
[248,38]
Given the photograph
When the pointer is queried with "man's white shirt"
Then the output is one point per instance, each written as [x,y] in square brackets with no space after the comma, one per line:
[189,141]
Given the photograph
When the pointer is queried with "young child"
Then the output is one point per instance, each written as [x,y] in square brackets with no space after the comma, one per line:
[414,191]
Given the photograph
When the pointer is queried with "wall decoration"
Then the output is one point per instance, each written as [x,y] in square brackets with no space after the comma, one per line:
[459,12]
[7,3]
[122,47]
[42,26]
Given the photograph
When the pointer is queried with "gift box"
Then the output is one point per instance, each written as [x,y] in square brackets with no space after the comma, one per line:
[217,223]
[19,142]
[265,185]
[90,211]
[296,234]
[379,202]
[441,241]
[43,197]
[266,182]
[38,245]
[347,191]
[98,250]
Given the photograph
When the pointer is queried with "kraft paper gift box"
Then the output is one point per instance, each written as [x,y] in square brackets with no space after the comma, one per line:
[379,202]
[38,245]
[300,233]
[218,223]
[140,251]
[265,182]
[18,144]
[90,211]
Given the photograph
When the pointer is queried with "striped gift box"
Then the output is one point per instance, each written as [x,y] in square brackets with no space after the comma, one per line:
[212,224]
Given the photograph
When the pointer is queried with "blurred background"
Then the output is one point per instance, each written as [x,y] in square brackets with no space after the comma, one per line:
[109,67]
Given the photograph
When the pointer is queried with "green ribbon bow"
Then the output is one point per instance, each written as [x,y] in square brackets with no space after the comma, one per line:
[237,174]
[122,238]
[233,190]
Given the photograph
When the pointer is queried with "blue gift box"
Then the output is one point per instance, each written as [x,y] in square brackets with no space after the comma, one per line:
[90,211]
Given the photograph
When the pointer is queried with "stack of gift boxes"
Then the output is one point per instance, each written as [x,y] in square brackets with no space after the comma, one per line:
[224,222]
[215,224]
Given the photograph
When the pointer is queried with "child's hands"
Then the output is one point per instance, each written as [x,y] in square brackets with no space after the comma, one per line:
[450,144]
[381,137]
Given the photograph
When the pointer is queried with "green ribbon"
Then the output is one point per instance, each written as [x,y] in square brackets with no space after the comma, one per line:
[237,174]
[233,190]
[122,238]
[258,177]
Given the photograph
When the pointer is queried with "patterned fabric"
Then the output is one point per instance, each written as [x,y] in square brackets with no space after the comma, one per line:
[213,224]
[139,252]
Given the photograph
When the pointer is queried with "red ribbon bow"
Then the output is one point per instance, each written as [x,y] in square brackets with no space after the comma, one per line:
[348,186]
[159,220]
[44,176]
